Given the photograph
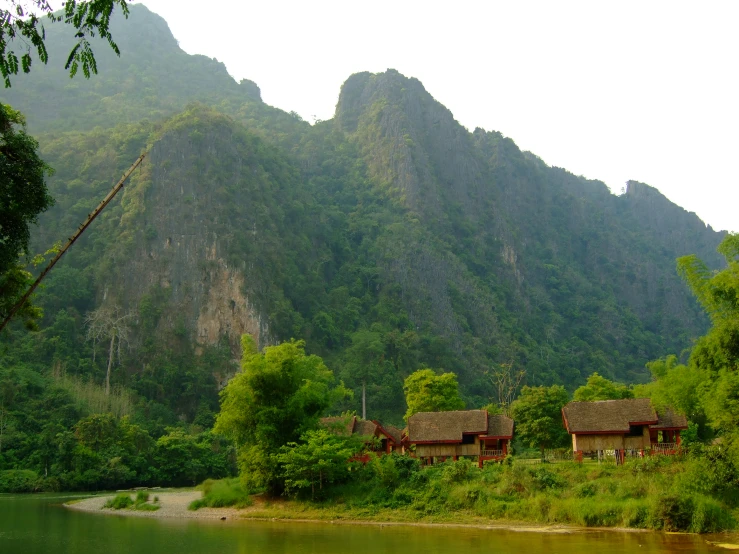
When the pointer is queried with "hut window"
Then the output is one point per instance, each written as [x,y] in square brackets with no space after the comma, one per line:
[636,430]
[468,439]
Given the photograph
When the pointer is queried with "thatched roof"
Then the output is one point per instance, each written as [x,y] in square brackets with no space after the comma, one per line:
[341,425]
[364,428]
[670,420]
[499,426]
[346,426]
[446,426]
[608,416]
[395,433]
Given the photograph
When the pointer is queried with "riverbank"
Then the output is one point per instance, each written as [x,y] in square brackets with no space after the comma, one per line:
[175,505]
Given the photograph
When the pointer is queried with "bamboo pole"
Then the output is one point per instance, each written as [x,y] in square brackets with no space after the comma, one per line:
[90,218]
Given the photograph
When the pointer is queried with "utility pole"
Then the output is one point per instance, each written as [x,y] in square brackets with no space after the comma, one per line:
[90,218]
[364,400]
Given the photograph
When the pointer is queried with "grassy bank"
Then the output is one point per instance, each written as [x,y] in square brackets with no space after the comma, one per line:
[661,493]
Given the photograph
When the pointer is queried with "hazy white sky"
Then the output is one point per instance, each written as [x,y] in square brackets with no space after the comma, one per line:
[609,90]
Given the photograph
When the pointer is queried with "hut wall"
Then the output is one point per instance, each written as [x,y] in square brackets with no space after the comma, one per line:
[428,450]
[591,443]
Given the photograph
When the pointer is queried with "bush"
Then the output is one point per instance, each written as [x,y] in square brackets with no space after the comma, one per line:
[19,480]
[457,472]
[672,512]
[222,493]
[120,502]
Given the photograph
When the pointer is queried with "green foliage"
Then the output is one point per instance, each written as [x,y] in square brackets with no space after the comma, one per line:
[24,196]
[119,502]
[222,493]
[538,416]
[278,395]
[426,391]
[600,388]
[88,18]
[320,460]
[19,480]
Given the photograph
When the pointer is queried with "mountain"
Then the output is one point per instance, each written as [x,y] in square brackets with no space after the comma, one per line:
[389,237]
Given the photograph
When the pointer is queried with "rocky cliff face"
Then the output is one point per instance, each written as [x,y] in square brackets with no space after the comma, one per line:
[452,249]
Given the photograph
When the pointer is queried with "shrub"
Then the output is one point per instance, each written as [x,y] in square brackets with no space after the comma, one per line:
[457,472]
[585,490]
[120,502]
[19,480]
[141,497]
[672,512]
[222,493]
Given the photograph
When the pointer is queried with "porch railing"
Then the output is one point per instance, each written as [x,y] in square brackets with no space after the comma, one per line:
[665,447]
[491,453]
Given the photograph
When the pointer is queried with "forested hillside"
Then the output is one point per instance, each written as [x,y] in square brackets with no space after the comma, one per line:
[389,238]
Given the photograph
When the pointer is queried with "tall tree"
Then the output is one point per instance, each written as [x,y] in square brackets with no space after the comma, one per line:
[538,415]
[276,397]
[21,21]
[426,391]
[109,322]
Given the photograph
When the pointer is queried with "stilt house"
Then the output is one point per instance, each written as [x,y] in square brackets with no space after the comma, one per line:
[474,433]
[621,426]
[381,439]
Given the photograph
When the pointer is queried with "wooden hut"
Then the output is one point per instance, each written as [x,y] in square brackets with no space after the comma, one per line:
[442,435]
[381,439]
[619,426]
[494,443]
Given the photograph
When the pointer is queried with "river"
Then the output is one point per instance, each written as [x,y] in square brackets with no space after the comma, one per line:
[39,524]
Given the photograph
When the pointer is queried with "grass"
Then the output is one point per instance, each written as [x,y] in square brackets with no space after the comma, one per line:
[660,493]
[124,501]
[222,493]
[119,502]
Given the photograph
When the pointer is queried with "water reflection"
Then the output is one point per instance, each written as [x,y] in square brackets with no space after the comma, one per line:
[39,524]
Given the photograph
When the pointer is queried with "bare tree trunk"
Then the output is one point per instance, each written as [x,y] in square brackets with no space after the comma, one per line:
[110,364]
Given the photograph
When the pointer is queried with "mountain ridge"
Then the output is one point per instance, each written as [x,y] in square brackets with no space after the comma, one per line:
[389,237]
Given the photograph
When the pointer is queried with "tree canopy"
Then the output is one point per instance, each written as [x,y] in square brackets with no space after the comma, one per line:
[600,388]
[426,391]
[277,396]
[23,196]
[538,415]
[22,21]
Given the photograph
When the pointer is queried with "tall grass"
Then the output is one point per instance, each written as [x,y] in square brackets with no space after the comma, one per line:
[649,493]
[91,397]
[222,493]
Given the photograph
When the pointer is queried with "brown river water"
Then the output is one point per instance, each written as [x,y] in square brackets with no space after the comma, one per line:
[31,524]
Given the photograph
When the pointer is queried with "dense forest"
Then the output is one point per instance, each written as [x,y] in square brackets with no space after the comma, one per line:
[389,238]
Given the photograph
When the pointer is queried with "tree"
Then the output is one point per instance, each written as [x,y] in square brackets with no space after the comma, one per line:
[23,196]
[718,293]
[715,356]
[21,20]
[600,388]
[538,415]
[321,458]
[276,397]
[505,381]
[109,322]
[425,391]
[674,385]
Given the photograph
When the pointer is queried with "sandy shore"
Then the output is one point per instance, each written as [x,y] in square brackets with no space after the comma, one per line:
[172,505]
